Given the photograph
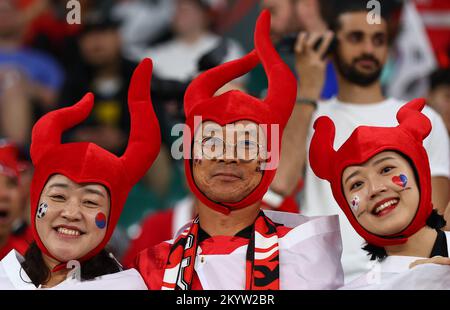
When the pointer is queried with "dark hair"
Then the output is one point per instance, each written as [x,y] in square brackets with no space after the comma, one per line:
[440,77]
[331,10]
[435,221]
[38,272]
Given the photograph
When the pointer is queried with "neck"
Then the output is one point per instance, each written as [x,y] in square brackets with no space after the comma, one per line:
[55,277]
[218,224]
[420,244]
[192,37]
[353,93]
[108,71]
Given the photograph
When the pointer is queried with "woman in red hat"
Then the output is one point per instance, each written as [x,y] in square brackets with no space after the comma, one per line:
[380,177]
[77,194]
[231,243]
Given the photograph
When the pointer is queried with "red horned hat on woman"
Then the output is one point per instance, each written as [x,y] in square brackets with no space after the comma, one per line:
[85,162]
[235,105]
[366,142]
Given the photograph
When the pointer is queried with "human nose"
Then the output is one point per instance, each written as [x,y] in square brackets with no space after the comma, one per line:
[71,210]
[369,47]
[376,187]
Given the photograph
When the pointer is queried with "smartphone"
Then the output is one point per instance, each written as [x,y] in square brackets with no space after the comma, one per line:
[287,44]
[331,46]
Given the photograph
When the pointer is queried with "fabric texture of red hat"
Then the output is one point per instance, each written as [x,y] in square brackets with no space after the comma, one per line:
[85,162]
[366,142]
[235,105]
[9,164]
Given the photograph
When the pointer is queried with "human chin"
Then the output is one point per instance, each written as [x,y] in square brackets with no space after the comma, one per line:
[65,244]
[227,194]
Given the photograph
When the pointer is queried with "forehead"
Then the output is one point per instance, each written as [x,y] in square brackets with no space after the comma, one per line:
[357,21]
[380,157]
[240,127]
[270,4]
[69,184]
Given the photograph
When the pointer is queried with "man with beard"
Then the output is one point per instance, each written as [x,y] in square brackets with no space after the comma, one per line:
[359,57]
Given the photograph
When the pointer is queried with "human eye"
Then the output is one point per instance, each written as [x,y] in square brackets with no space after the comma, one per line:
[248,144]
[90,203]
[57,197]
[355,37]
[379,39]
[211,141]
[356,185]
[387,169]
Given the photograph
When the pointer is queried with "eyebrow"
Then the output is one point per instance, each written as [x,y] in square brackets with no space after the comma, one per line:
[351,176]
[63,185]
[94,191]
[373,164]
[381,160]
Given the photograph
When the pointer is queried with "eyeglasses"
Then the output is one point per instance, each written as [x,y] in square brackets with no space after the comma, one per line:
[215,148]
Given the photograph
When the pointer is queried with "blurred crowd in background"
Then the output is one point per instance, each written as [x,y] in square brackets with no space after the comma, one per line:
[47,63]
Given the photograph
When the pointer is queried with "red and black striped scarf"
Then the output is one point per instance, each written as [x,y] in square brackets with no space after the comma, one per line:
[262,266]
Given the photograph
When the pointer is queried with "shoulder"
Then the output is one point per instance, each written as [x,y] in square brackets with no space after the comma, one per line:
[151,264]
[129,279]
[298,228]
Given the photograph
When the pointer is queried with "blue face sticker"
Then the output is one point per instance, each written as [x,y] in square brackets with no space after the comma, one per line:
[100,220]
[42,210]
[400,180]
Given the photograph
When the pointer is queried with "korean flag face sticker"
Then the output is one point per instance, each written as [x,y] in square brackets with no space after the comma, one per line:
[354,204]
[42,210]
[100,220]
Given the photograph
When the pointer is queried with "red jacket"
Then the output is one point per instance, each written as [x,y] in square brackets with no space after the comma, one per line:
[13,243]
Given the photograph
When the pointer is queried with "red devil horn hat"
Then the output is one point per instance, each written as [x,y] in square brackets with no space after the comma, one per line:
[9,159]
[234,105]
[85,162]
[366,142]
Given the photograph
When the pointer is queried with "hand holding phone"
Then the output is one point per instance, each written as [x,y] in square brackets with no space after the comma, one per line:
[311,51]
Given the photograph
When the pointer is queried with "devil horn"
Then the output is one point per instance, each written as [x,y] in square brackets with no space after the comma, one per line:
[207,83]
[145,137]
[47,131]
[413,120]
[282,82]
[321,151]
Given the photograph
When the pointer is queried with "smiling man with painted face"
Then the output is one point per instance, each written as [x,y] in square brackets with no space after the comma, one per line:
[77,194]
[380,178]
[231,243]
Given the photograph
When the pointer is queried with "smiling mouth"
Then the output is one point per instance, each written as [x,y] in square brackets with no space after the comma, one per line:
[68,232]
[385,207]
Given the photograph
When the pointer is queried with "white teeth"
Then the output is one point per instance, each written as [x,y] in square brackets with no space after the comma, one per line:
[69,232]
[385,205]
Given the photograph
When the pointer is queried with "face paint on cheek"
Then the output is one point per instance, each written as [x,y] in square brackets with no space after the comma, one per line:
[42,210]
[354,204]
[100,220]
[400,180]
